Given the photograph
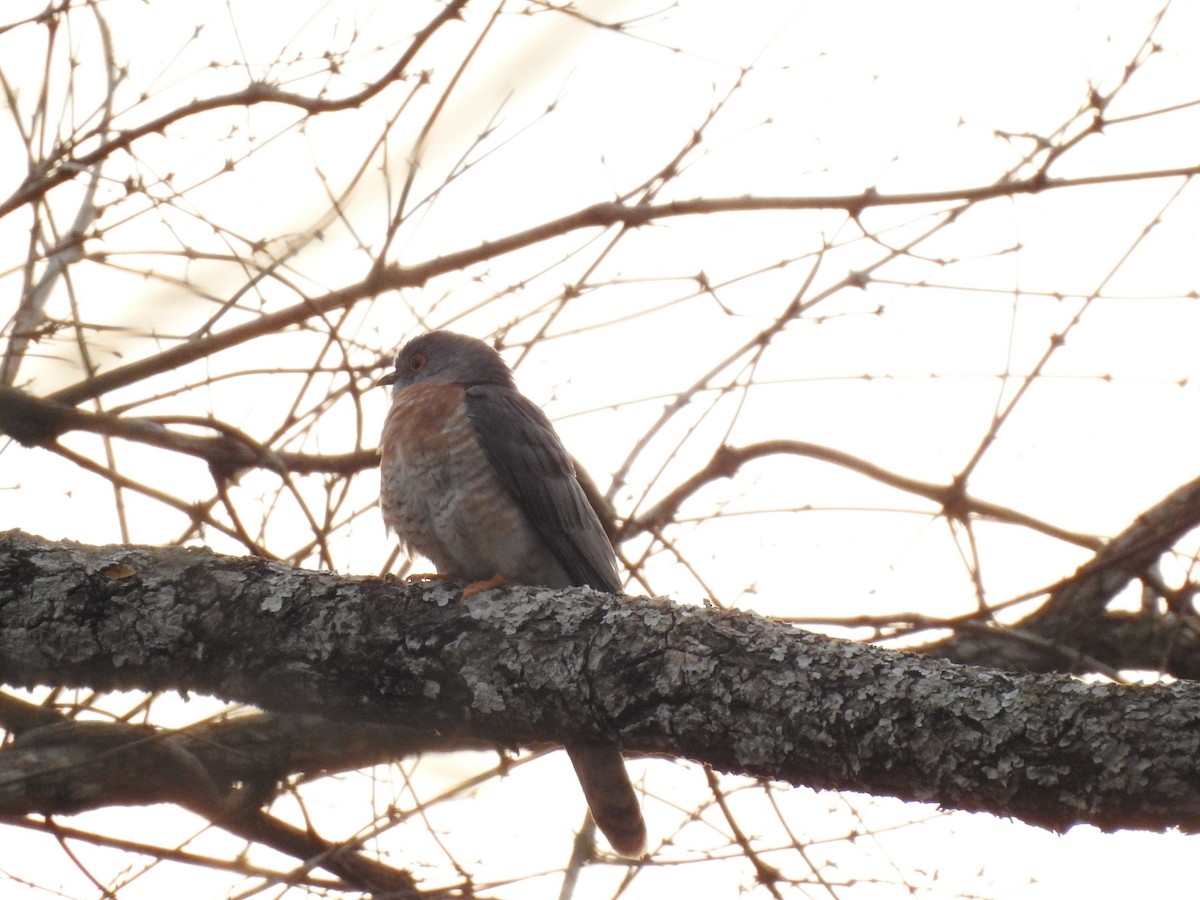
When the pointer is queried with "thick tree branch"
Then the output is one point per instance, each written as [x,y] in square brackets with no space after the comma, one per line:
[69,766]
[521,665]
[222,771]
[1115,641]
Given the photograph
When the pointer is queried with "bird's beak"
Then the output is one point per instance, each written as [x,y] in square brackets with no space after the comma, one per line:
[388,379]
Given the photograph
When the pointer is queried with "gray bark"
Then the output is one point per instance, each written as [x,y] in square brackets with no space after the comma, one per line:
[521,666]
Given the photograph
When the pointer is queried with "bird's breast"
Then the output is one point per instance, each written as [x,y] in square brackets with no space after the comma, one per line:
[442,497]
[425,421]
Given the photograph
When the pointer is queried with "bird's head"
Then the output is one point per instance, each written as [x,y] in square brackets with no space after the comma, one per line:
[447,358]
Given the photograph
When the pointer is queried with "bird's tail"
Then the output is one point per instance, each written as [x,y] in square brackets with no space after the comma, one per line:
[610,796]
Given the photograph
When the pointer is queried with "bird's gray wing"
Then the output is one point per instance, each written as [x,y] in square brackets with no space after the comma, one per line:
[522,446]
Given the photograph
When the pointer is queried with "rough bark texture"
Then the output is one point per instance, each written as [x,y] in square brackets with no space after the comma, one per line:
[525,665]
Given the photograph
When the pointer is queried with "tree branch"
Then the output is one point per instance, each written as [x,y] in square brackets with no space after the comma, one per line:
[727,461]
[224,770]
[69,766]
[64,167]
[600,215]
[522,665]
[1075,620]
[39,421]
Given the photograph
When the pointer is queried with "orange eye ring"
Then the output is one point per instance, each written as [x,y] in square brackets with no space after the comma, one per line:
[416,362]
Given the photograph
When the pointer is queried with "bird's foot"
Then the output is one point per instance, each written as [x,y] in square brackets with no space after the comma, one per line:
[476,586]
[428,576]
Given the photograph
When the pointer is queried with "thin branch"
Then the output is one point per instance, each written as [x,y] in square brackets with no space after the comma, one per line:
[601,215]
[54,172]
[950,498]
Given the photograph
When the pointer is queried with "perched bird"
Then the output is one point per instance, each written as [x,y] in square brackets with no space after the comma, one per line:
[475,478]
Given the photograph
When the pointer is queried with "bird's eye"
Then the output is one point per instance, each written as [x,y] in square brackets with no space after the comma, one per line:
[416,362]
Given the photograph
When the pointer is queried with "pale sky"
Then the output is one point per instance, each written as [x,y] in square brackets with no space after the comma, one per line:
[836,98]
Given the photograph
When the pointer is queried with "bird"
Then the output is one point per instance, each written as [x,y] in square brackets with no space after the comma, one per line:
[475,478]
